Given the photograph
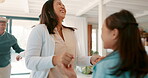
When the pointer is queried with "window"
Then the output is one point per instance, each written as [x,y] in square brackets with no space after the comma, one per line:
[94,40]
[21,30]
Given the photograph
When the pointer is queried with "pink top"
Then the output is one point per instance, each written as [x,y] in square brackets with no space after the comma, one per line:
[66,45]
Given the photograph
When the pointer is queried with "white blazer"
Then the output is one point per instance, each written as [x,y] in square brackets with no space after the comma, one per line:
[40,50]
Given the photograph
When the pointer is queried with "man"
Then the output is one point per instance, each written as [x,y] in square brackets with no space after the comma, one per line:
[7,41]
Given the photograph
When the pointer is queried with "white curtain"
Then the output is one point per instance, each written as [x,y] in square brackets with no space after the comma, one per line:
[81,33]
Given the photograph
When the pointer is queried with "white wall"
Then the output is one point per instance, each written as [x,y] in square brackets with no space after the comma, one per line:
[144,25]
[81,33]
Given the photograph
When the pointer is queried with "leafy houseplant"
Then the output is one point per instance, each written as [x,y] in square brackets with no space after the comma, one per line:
[94,52]
[88,69]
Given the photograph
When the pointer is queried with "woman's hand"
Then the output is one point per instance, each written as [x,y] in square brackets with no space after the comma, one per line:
[95,58]
[68,71]
[64,59]
[67,59]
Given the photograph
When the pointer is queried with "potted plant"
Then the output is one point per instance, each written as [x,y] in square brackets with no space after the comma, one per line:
[88,69]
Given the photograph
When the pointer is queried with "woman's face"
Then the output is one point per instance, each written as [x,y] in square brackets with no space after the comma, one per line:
[109,37]
[2,26]
[59,9]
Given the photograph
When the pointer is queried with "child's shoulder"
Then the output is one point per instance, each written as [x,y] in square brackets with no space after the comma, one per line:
[110,61]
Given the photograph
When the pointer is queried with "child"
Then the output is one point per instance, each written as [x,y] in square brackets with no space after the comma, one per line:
[129,58]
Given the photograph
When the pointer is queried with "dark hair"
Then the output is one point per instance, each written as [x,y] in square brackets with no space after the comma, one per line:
[132,53]
[48,16]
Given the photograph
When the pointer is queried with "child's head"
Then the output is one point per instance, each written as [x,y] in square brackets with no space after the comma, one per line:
[120,32]
[120,29]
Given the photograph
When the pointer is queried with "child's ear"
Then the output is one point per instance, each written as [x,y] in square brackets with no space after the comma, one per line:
[115,33]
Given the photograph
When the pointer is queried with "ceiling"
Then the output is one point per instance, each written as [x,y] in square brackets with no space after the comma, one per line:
[83,8]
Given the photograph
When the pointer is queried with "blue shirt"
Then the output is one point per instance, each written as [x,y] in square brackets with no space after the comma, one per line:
[102,68]
[6,42]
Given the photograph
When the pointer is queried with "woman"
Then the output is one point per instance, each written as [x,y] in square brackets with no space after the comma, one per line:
[129,58]
[7,41]
[50,43]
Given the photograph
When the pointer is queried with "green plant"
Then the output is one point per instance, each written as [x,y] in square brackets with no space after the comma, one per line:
[88,69]
[94,52]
